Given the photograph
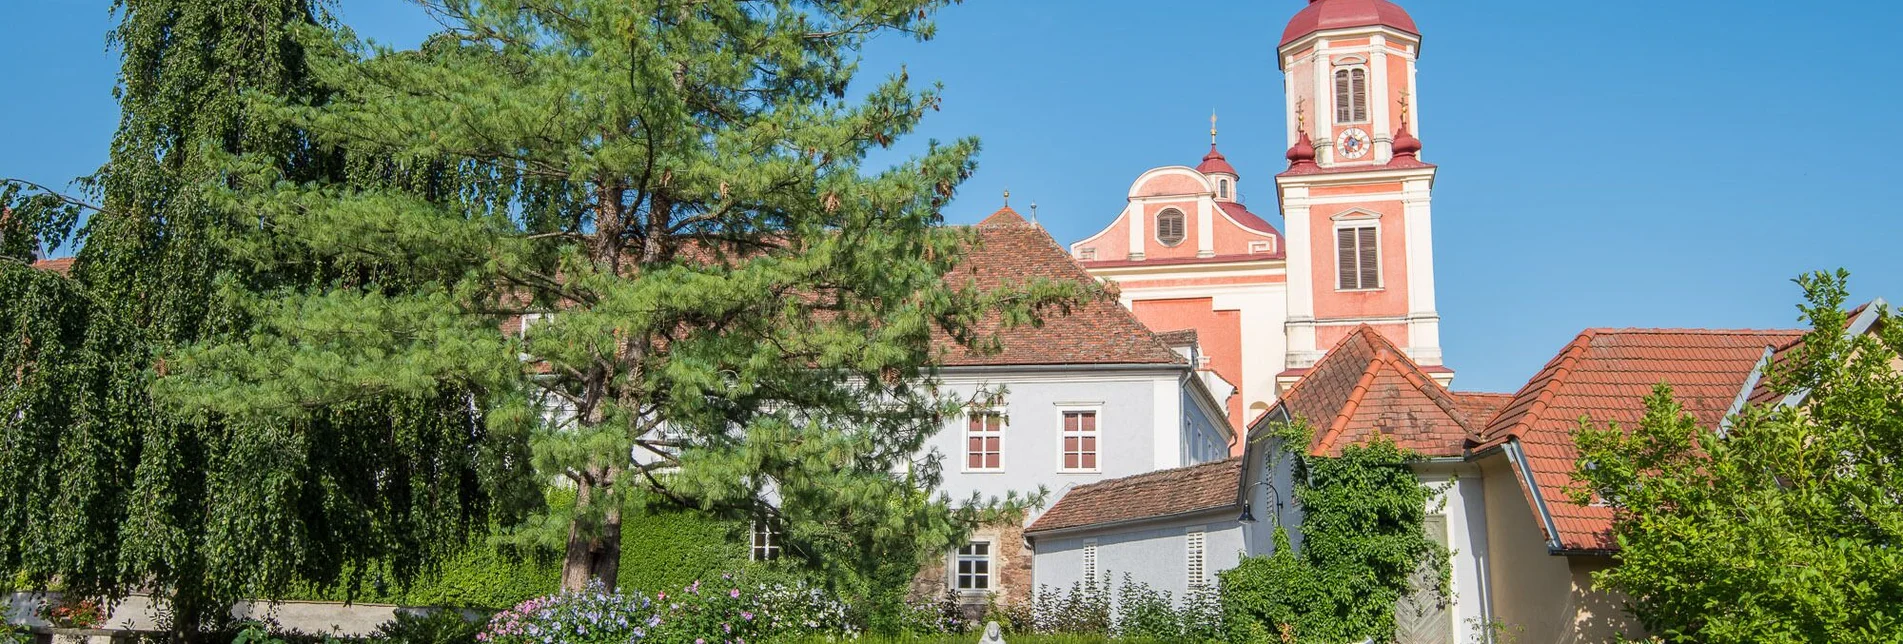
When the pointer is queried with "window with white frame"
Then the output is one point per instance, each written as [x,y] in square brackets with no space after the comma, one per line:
[1170,227]
[1351,95]
[973,567]
[1090,561]
[984,441]
[1222,189]
[1080,437]
[1358,257]
[1196,560]
[766,541]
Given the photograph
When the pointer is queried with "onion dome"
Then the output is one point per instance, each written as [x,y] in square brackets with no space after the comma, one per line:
[1303,154]
[1405,145]
[1215,163]
[1323,15]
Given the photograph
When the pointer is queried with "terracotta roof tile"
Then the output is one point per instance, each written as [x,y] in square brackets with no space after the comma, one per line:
[1177,338]
[1366,387]
[61,265]
[1603,376]
[1207,486]
[1479,407]
[1008,250]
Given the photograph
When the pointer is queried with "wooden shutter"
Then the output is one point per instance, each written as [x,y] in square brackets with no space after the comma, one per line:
[1343,109]
[1346,277]
[1358,91]
[1169,227]
[1369,259]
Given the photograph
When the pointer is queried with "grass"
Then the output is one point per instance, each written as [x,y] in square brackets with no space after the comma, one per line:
[972,638]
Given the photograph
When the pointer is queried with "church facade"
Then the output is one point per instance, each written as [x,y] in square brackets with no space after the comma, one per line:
[1357,202]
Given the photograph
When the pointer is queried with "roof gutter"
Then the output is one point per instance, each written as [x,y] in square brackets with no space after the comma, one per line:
[1517,456]
[1030,535]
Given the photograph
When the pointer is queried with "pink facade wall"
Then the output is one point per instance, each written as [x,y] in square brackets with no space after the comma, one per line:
[1154,249]
[1219,333]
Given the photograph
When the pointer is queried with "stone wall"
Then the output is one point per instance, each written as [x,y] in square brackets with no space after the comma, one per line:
[1012,579]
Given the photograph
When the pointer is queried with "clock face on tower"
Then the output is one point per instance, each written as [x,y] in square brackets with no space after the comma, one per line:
[1353,143]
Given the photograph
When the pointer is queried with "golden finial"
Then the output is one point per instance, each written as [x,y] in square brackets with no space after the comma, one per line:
[1007,197]
[1212,127]
[1404,107]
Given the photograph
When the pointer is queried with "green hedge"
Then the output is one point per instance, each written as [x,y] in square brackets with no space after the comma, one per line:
[659,551]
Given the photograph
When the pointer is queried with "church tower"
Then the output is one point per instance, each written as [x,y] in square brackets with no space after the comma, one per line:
[1356,199]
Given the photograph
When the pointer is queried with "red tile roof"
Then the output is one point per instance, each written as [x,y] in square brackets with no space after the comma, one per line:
[1215,162]
[1255,222]
[1009,250]
[1209,486]
[1366,387]
[1603,376]
[1762,390]
[1322,15]
[61,265]
[1480,408]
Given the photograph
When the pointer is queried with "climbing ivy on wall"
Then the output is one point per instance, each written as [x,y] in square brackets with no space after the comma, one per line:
[1363,545]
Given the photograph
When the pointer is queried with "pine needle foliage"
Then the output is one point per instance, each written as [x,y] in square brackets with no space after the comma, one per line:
[1786,526]
[671,252]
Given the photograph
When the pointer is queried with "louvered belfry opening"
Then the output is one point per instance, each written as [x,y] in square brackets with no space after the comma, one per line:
[1351,95]
[1358,257]
[1169,227]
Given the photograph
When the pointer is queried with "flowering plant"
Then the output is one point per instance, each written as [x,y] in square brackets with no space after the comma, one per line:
[723,613]
[84,613]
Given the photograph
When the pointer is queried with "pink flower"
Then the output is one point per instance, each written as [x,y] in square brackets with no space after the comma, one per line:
[735,593]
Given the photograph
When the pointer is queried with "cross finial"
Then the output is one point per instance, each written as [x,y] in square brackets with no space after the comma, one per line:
[1007,197]
[1212,127]
[1301,114]
[1404,107]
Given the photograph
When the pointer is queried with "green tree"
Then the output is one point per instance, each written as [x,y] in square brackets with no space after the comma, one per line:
[1364,546]
[102,492]
[725,308]
[1784,527]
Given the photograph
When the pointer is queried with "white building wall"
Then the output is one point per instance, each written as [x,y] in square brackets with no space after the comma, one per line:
[1153,554]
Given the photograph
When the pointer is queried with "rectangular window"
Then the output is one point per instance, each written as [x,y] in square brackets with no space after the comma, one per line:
[1090,561]
[1358,258]
[1196,561]
[1080,441]
[766,541]
[974,567]
[984,442]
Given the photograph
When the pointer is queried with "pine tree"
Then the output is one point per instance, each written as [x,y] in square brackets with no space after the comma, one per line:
[102,490]
[725,308]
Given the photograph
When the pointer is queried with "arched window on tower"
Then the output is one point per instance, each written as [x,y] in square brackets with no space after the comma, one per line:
[1351,95]
[1222,189]
[1169,227]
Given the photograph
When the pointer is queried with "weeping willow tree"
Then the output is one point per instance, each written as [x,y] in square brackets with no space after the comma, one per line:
[729,308]
[102,490]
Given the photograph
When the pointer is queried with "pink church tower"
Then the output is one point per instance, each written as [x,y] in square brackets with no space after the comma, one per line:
[1357,200]
[1189,254]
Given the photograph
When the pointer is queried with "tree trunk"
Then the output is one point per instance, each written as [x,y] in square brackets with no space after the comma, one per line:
[593,557]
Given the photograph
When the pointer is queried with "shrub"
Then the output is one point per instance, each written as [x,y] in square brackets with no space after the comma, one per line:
[698,613]
[432,627]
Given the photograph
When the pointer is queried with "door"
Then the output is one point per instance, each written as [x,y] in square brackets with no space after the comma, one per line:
[1423,617]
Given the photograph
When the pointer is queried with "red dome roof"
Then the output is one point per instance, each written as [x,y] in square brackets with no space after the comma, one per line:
[1322,15]
[1214,163]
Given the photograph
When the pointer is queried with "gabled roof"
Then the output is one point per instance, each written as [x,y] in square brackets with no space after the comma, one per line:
[61,265]
[1009,250]
[1366,387]
[1857,321]
[1479,407]
[1603,376]
[1185,490]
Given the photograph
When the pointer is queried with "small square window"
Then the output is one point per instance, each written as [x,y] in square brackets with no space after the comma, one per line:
[766,541]
[974,567]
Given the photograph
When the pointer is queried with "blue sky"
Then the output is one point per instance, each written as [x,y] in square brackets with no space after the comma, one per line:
[1613,163]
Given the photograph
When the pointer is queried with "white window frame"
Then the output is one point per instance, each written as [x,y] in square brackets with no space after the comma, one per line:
[1156,226]
[958,575]
[965,436]
[1349,66]
[1358,219]
[1090,562]
[765,541]
[1196,559]
[1062,433]
[1222,189]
